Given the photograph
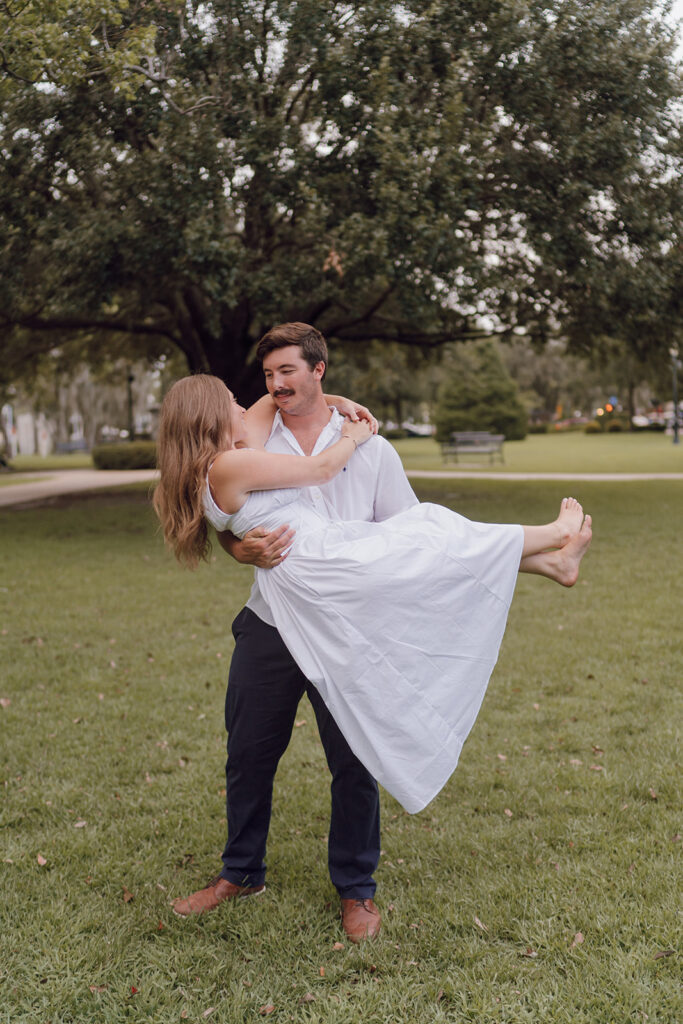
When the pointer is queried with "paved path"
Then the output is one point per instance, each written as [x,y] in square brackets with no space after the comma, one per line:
[36,488]
[446,474]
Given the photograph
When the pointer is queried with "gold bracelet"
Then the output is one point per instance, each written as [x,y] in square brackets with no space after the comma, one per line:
[348,437]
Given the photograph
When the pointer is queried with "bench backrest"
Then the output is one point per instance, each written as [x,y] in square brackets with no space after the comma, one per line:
[465,436]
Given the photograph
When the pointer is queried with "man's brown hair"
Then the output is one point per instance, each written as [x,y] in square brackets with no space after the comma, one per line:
[308,339]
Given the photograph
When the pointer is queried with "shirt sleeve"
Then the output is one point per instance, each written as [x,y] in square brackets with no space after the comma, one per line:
[393,493]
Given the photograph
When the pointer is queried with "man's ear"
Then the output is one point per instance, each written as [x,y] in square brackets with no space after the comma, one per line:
[319,371]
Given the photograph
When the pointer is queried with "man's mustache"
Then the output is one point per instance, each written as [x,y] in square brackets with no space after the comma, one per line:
[281,392]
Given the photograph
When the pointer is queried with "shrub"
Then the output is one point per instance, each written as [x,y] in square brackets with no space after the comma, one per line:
[615,427]
[538,428]
[480,395]
[129,455]
[592,427]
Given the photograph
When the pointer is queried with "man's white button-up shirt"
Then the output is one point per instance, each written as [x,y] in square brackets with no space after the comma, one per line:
[372,486]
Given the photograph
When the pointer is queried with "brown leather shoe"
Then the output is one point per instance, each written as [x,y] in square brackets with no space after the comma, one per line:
[216,891]
[360,919]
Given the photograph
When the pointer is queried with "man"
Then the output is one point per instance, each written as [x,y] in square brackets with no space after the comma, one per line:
[265,685]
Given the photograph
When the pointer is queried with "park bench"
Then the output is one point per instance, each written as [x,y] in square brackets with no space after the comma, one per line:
[473,442]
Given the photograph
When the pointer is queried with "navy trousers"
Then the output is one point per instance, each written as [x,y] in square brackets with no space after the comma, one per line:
[265,686]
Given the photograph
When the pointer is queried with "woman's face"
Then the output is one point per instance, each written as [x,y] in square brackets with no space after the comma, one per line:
[237,425]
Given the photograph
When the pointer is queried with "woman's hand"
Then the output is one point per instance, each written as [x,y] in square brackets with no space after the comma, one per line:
[352,410]
[358,431]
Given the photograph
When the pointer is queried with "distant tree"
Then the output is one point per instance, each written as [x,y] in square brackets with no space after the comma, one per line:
[187,173]
[395,381]
[479,394]
[59,42]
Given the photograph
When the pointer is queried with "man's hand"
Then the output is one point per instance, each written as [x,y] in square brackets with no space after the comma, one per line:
[259,547]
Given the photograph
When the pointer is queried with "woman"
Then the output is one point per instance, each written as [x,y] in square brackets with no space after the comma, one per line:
[397,624]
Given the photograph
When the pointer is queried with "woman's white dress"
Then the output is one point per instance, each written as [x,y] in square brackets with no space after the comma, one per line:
[397,624]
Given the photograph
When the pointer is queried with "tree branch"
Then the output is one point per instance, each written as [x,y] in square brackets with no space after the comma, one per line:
[366,314]
[419,339]
[159,81]
[38,323]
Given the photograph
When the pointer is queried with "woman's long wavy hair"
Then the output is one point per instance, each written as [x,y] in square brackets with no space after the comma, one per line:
[193,428]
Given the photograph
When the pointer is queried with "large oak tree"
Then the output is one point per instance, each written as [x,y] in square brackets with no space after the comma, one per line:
[195,172]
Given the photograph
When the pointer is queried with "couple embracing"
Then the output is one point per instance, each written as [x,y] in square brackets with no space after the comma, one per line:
[387,613]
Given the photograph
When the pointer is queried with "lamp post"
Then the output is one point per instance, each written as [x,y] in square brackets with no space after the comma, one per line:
[131,421]
[673,352]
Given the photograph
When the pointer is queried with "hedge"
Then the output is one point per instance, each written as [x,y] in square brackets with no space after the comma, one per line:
[129,455]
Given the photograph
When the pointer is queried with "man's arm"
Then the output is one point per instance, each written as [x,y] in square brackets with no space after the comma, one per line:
[393,493]
[258,547]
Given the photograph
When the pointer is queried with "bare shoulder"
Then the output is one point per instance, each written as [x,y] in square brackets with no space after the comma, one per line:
[227,478]
[227,463]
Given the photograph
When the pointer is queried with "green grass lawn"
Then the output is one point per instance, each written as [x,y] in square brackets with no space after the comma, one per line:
[540,886]
[72,460]
[570,452]
[7,480]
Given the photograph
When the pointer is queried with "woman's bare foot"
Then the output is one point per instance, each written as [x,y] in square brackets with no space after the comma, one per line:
[570,520]
[565,563]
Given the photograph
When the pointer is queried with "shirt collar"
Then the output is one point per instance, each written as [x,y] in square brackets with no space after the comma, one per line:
[332,427]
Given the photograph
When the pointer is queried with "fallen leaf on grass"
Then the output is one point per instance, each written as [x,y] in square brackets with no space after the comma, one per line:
[480,924]
[98,988]
[127,896]
[265,1010]
[80,824]
[501,757]
[5,702]
[507,812]
[322,972]
[301,721]
[308,997]
[207,1013]
[338,945]
[41,861]
[652,793]
[663,953]
[577,940]
[133,990]
[597,768]
[531,953]
[575,762]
